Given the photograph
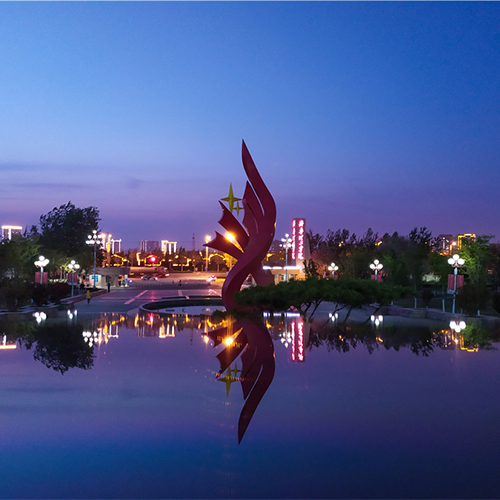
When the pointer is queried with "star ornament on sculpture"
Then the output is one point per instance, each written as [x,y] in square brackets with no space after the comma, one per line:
[231,376]
[231,200]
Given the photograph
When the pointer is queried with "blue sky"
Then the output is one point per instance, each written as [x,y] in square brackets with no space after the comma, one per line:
[382,115]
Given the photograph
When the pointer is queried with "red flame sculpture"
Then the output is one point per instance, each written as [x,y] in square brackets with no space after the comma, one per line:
[254,238]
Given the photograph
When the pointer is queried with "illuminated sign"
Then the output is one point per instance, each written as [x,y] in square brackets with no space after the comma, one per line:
[300,341]
[297,341]
[298,235]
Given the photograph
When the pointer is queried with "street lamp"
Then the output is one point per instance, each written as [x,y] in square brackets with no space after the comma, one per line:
[332,268]
[93,239]
[41,263]
[73,265]
[207,239]
[286,243]
[376,266]
[455,262]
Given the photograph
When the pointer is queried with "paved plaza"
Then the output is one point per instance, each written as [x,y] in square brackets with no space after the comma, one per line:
[128,299]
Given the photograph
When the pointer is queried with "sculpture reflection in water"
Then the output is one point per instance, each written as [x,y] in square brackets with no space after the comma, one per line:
[252,341]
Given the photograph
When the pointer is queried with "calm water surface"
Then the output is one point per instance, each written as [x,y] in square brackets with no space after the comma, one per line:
[393,411]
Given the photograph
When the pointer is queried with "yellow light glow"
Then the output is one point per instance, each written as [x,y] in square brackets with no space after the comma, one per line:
[9,346]
[230,237]
[229,341]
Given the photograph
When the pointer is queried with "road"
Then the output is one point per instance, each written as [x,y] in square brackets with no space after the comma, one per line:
[125,300]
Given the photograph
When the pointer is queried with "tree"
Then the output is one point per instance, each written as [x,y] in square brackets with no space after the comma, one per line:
[307,295]
[419,249]
[64,230]
[17,268]
[438,265]
[476,255]
[17,258]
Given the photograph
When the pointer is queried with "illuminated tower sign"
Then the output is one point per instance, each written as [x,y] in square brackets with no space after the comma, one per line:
[298,350]
[298,237]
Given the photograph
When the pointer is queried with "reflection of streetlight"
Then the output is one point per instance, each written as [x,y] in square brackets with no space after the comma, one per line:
[286,243]
[376,266]
[41,263]
[455,262]
[332,268]
[457,326]
[40,316]
[73,265]
[93,240]
[207,239]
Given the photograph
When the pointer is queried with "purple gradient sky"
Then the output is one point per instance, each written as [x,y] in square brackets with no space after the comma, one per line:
[382,115]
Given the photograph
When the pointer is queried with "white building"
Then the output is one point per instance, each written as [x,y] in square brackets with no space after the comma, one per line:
[168,246]
[8,231]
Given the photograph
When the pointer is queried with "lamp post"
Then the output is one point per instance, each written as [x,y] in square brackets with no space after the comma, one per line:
[93,239]
[376,266]
[286,243]
[332,268]
[73,265]
[207,239]
[455,262]
[41,263]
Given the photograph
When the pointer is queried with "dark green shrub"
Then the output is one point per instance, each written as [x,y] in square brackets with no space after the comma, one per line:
[40,294]
[495,301]
[58,291]
[472,298]
[427,295]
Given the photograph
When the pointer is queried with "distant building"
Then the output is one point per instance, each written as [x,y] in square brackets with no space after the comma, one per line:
[449,244]
[116,246]
[443,243]
[168,246]
[9,231]
[467,236]
[148,246]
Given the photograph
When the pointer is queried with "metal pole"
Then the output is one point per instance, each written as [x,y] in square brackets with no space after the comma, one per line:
[454,290]
[286,263]
[95,251]
[206,259]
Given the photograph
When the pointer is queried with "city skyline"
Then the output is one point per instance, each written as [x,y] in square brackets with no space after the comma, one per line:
[358,115]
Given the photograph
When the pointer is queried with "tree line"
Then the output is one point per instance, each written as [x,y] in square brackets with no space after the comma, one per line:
[60,236]
[413,262]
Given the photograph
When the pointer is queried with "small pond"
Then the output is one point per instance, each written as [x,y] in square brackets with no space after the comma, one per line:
[110,406]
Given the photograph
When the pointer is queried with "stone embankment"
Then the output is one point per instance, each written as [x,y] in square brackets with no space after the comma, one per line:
[433,314]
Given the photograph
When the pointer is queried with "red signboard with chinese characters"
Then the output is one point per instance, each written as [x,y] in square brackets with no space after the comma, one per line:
[45,278]
[72,278]
[298,236]
[451,282]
